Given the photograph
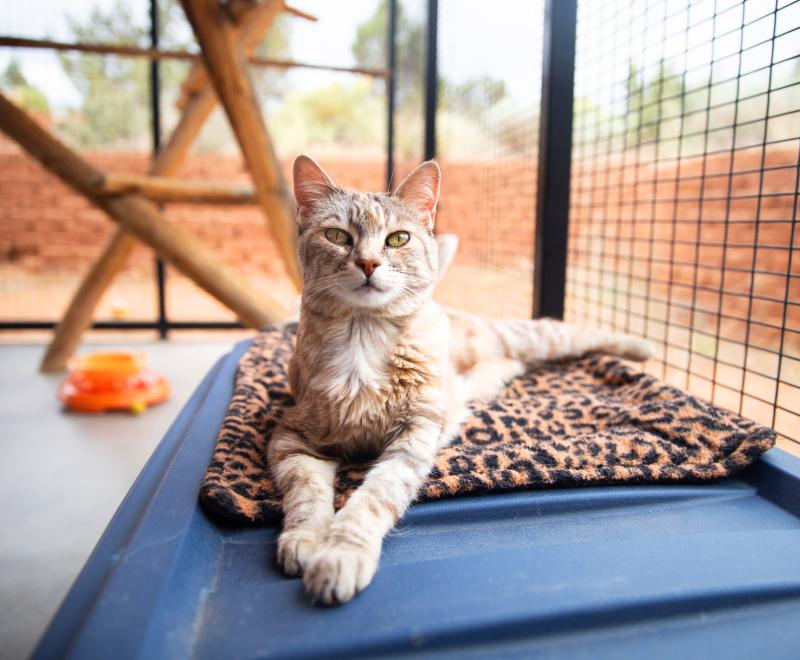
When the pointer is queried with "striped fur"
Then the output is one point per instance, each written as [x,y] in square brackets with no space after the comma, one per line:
[381,372]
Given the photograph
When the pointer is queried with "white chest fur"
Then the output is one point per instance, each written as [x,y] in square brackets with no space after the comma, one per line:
[357,357]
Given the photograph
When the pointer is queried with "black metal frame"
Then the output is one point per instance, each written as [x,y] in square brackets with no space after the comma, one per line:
[155,128]
[431,79]
[555,146]
[555,158]
[609,251]
[162,324]
[552,252]
[391,87]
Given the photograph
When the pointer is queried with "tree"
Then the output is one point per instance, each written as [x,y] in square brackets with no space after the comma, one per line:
[334,115]
[115,91]
[21,91]
[655,101]
[369,50]
[473,97]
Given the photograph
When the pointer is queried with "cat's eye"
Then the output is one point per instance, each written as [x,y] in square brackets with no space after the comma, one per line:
[338,236]
[398,238]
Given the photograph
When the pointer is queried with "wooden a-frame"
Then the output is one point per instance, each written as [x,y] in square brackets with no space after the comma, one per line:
[226,37]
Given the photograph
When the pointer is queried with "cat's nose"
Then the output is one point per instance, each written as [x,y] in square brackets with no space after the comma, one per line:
[368,265]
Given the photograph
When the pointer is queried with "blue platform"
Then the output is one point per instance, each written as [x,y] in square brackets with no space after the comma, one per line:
[707,571]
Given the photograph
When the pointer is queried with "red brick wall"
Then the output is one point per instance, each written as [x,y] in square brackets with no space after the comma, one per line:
[44,227]
[652,230]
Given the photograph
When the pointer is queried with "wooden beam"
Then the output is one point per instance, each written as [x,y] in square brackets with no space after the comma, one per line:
[96,48]
[80,312]
[252,20]
[142,219]
[178,191]
[217,38]
[182,55]
[238,7]
[299,13]
[78,316]
[168,160]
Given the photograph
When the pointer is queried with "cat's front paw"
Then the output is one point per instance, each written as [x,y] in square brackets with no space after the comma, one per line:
[338,571]
[295,548]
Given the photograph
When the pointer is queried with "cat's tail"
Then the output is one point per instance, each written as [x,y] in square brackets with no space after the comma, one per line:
[475,340]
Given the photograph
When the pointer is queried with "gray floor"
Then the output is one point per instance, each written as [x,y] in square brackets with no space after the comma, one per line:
[62,476]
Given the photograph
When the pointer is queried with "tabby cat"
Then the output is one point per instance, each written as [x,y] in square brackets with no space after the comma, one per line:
[381,372]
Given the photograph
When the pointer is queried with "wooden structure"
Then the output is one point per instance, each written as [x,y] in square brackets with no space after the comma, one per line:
[227,35]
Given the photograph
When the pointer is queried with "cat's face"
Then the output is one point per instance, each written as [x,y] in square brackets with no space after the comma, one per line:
[366,251]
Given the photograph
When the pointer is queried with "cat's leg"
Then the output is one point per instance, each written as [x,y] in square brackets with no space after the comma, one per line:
[346,562]
[307,486]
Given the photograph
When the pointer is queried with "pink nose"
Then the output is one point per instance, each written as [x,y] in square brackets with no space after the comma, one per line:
[368,265]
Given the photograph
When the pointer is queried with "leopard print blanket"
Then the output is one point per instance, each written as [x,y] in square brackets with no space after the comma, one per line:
[587,422]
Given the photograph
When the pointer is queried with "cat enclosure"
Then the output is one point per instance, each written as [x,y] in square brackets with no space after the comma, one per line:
[665,204]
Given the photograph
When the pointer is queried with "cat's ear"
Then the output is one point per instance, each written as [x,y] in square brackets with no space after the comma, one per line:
[311,183]
[420,189]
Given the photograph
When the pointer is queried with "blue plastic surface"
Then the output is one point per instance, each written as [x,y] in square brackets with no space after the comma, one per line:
[644,571]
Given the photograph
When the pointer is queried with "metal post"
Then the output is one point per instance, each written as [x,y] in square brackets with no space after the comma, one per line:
[391,82]
[431,79]
[555,154]
[155,116]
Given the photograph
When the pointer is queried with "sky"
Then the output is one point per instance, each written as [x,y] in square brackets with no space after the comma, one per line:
[325,41]
[501,39]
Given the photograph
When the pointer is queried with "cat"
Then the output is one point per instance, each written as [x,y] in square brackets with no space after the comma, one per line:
[381,372]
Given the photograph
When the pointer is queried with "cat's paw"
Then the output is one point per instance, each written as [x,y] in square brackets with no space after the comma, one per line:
[295,548]
[635,348]
[337,572]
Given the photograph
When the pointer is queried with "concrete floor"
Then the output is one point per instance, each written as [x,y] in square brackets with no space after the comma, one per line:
[62,476]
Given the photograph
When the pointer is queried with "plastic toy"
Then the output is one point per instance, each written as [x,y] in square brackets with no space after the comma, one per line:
[98,382]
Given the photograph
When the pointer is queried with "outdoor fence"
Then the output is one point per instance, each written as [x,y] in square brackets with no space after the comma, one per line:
[664,205]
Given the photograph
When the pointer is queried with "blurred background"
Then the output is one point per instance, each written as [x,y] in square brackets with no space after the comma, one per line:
[682,218]
[683,213]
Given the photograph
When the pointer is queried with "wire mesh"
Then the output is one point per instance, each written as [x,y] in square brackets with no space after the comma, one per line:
[487,135]
[684,193]
[337,118]
[50,235]
[101,106]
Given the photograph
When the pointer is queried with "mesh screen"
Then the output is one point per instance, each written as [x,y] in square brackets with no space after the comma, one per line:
[50,235]
[100,105]
[489,60]
[410,55]
[684,193]
[337,118]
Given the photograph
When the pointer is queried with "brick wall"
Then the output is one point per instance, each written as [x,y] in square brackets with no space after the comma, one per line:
[45,228]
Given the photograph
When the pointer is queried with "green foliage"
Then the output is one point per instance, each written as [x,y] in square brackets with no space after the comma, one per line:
[473,97]
[21,91]
[115,91]
[13,76]
[463,105]
[369,50]
[341,114]
[653,102]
